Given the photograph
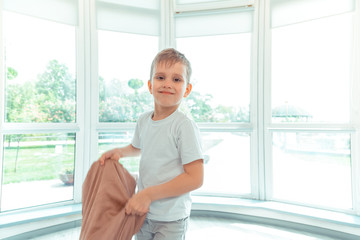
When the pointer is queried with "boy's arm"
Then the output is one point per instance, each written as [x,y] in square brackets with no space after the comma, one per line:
[191,179]
[117,153]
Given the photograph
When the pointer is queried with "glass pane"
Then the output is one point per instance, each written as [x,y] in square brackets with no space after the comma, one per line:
[37,169]
[124,69]
[108,141]
[221,94]
[285,12]
[63,11]
[228,168]
[40,70]
[211,23]
[129,16]
[311,71]
[312,168]
[147,4]
[233,167]
[198,1]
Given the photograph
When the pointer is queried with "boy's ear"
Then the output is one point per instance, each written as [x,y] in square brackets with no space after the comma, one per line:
[150,86]
[188,90]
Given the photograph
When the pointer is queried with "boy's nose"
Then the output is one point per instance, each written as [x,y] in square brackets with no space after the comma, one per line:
[167,83]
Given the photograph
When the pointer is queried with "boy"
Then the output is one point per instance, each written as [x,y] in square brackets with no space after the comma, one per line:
[171,164]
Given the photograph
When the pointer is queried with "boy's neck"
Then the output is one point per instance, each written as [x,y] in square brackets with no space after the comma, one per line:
[162,114]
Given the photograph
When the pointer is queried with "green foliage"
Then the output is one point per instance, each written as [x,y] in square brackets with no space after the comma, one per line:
[199,107]
[125,108]
[11,73]
[69,171]
[21,103]
[56,83]
[231,114]
[51,98]
[120,104]
[135,83]
[56,91]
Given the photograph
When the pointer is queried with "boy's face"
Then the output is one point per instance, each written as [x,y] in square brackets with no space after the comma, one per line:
[169,85]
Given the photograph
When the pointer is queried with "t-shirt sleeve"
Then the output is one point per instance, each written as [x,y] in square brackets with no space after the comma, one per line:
[136,138]
[189,142]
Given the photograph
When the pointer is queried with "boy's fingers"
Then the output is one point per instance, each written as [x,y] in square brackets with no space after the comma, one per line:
[102,160]
[127,209]
[115,156]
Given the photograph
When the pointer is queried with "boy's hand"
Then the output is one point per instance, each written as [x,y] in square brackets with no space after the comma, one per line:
[113,154]
[138,204]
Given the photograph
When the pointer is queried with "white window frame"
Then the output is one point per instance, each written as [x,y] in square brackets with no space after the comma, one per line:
[87,125]
[352,128]
[77,127]
[355,113]
[250,127]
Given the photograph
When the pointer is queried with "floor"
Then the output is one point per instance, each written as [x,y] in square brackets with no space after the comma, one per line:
[215,228]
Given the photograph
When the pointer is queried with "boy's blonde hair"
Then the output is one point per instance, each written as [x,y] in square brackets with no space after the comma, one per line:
[170,56]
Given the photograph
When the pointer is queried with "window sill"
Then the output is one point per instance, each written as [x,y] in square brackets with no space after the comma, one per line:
[328,223]
[33,222]
[29,223]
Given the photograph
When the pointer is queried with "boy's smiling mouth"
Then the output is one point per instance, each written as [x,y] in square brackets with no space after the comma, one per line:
[166,92]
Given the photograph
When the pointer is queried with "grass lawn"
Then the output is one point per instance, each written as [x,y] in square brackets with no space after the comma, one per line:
[36,163]
[46,162]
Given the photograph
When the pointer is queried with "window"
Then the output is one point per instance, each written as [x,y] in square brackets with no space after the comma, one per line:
[218,45]
[311,73]
[38,169]
[40,83]
[227,171]
[39,66]
[221,89]
[124,69]
[108,140]
[128,40]
[196,1]
[275,94]
[312,168]
[310,70]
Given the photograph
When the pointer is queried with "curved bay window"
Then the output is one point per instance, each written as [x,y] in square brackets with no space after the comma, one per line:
[311,75]
[39,48]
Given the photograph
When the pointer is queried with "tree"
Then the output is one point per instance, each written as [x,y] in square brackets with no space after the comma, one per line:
[199,108]
[135,84]
[56,82]
[51,98]
[11,73]
[56,92]
[22,104]
[118,104]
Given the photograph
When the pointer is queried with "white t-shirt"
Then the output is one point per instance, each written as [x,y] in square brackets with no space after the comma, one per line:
[166,145]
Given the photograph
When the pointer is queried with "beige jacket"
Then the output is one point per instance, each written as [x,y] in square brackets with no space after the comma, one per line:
[105,192]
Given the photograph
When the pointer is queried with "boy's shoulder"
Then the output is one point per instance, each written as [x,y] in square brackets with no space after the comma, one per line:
[145,115]
[182,119]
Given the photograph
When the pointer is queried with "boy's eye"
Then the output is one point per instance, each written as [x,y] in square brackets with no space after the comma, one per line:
[177,79]
[160,77]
